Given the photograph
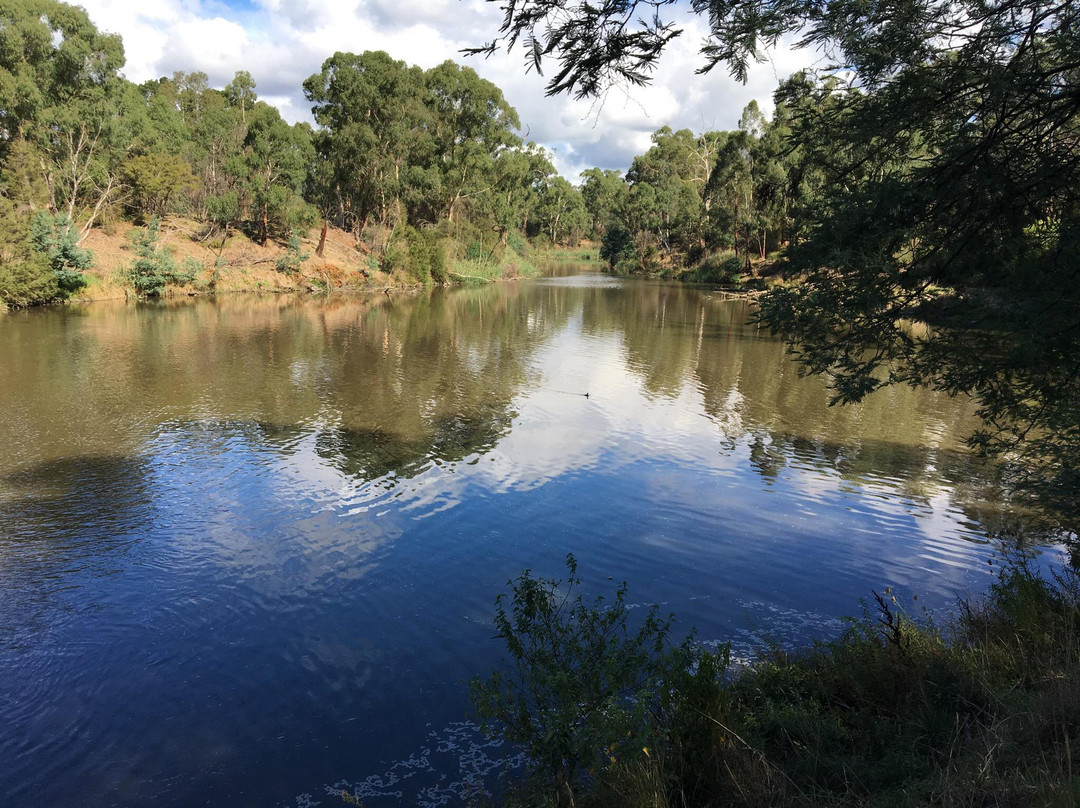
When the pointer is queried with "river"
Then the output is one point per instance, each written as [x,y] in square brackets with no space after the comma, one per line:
[249,547]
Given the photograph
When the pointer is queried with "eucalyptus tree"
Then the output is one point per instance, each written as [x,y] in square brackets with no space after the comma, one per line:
[560,211]
[604,192]
[371,112]
[470,123]
[677,168]
[519,177]
[240,93]
[273,168]
[59,89]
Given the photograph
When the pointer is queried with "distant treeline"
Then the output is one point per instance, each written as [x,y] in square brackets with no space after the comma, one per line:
[717,202]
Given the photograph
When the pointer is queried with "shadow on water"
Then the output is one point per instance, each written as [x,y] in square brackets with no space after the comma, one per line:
[370,454]
[76,504]
[66,522]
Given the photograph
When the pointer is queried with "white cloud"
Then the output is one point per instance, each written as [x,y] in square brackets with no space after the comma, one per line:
[282,42]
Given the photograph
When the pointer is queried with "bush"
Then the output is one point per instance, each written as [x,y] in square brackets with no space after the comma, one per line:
[54,237]
[722,268]
[427,256]
[154,266]
[396,257]
[617,247]
[190,268]
[984,711]
[584,692]
[293,257]
[29,281]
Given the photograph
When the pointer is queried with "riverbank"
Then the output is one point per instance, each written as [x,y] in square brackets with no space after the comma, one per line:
[238,264]
[723,270]
[983,709]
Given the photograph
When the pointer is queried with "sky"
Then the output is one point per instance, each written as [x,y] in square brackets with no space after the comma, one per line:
[282,42]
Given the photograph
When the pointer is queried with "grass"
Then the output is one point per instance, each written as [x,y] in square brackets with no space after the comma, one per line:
[507,264]
[583,253]
[983,710]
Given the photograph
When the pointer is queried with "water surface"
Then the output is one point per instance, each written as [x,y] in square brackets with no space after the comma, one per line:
[249,547]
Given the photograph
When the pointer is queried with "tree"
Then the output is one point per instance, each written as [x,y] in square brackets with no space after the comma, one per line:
[560,211]
[951,152]
[370,109]
[53,235]
[59,89]
[604,193]
[154,179]
[519,177]
[274,166]
[470,124]
[26,278]
[241,93]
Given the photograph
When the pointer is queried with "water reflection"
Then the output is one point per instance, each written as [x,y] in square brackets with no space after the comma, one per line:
[249,546]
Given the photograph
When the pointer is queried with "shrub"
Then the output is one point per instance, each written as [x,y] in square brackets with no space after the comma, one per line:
[396,257]
[154,266]
[427,256]
[190,268]
[27,281]
[617,246]
[584,691]
[54,237]
[722,268]
[293,257]
[895,712]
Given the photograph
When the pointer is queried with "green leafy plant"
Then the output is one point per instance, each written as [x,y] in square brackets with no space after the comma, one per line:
[26,281]
[617,245]
[54,237]
[155,266]
[190,268]
[293,257]
[585,690]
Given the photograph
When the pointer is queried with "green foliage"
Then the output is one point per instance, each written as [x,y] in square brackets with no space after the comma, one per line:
[605,195]
[895,712]
[155,266]
[223,210]
[273,168]
[397,143]
[26,276]
[190,268]
[27,281]
[56,239]
[426,250]
[560,211]
[293,257]
[617,245]
[396,258]
[155,179]
[585,689]
[722,268]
